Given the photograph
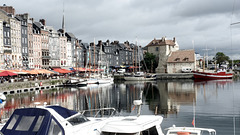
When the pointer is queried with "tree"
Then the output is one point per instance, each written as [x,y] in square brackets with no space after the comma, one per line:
[220,57]
[150,61]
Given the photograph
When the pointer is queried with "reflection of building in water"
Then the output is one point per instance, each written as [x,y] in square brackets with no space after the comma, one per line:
[172,95]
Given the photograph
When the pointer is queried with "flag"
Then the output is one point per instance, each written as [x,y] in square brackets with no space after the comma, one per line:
[133,108]
[193,122]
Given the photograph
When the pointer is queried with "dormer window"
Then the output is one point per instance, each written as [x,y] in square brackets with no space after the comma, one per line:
[177,59]
[186,59]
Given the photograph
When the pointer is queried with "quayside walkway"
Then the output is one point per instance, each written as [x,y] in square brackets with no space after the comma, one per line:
[28,86]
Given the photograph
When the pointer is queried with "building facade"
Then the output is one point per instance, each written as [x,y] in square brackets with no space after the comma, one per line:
[30,44]
[181,59]
[1,46]
[15,28]
[37,47]
[54,48]
[162,49]
[23,19]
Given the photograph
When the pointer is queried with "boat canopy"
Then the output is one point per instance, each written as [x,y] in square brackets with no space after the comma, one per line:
[64,112]
[36,121]
[131,125]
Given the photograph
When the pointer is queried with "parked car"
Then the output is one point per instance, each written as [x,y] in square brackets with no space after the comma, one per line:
[186,70]
[121,71]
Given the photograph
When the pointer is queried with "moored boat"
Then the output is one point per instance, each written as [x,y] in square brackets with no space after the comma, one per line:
[213,75]
[140,76]
[133,125]
[49,120]
[190,131]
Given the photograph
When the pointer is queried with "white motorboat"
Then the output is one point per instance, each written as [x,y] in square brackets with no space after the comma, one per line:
[140,76]
[138,125]
[88,81]
[50,120]
[190,131]
[105,80]
[131,125]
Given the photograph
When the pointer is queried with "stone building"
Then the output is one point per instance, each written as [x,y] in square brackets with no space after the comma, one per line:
[15,28]
[37,46]
[180,59]
[23,18]
[1,45]
[162,48]
[54,47]
[30,44]
[63,50]
[8,9]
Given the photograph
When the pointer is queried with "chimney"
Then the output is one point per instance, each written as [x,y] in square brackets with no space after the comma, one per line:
[163,39]
[174,39]
[99,42]
[116,42]
[127,43]
[31,19]
[43,21]
[154,41]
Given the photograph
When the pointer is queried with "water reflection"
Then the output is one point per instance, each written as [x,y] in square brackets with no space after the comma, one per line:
[216,100]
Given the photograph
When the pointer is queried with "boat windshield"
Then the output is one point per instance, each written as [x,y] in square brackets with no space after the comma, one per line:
[181,133]
[77,119]
[107,133]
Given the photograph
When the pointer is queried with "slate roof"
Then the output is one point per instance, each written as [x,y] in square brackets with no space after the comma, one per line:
[182,56]
[19,18]
[38,24]
[70,34]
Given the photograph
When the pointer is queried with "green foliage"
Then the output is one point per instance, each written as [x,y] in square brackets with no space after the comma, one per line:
[220,57]
[150,61]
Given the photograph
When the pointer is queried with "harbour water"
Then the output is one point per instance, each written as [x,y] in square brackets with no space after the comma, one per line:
[215,103]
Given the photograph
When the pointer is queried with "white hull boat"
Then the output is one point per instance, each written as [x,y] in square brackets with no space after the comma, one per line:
[50,120]
[190,131]
[105,80]
[133,78]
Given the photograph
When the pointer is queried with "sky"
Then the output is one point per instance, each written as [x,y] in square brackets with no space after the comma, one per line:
[199,24]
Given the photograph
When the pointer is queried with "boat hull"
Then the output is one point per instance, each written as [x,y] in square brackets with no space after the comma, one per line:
[205,75]
[130,78]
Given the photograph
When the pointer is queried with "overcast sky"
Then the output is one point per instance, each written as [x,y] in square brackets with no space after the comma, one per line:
[195,23]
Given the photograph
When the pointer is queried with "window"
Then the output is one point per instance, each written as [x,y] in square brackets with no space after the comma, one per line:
[156,48]
[78,120]
[25,123]
[186,59]
[151,131]
[54,129]
[177,59]
[12,122]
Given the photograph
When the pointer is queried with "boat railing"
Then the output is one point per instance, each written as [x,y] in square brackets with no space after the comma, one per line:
[101,112]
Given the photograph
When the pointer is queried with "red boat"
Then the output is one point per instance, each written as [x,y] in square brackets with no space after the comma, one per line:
[215,75]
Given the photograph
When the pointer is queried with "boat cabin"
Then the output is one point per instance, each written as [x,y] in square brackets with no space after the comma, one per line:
[142,125]
[190,131]
[50,120]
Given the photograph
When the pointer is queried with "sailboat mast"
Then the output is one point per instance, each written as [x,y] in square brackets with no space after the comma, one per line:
[133,59]
[89,61]
[194,122]
[138,58]
[94,54]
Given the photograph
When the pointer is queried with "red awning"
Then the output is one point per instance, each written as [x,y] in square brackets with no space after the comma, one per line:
[7,73]
[62,71]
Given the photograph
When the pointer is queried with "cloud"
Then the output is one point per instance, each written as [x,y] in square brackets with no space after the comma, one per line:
[205,22]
